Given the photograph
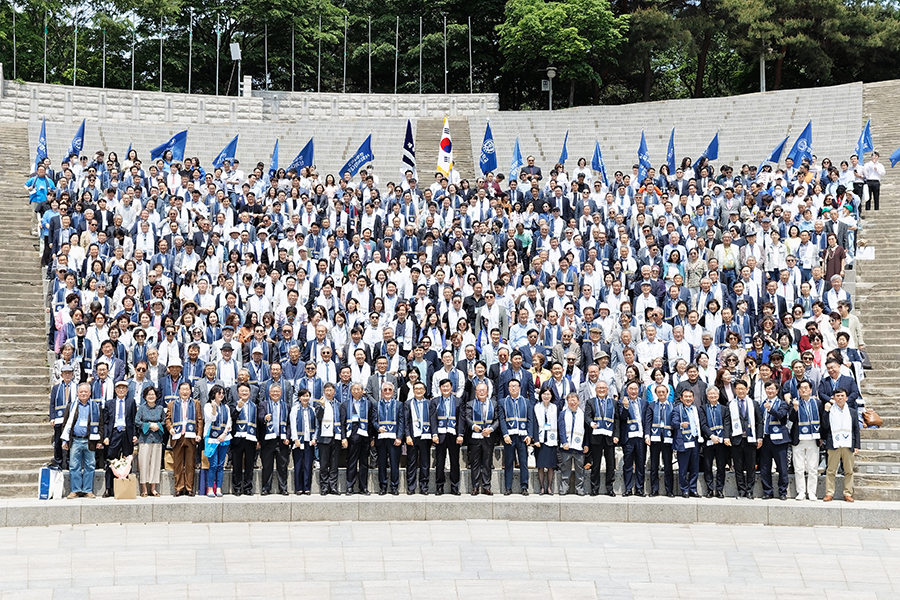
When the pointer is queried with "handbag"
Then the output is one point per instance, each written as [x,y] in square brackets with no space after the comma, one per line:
[210,447]
[866,361]
[871,418]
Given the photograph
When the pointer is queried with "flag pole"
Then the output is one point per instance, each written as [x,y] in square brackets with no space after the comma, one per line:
[370,54]
[14,38]
[445,54]
[160,50]
[104,58]
[319,70]
[45,44]
[396,52]
[218,40]
[266,54]
[420,55]
[190,47]
[471,86]
[75,53]
[344,89]
[292,57]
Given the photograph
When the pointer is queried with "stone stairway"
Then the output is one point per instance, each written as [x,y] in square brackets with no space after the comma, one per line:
[428,140]
[25,435]
[877,304]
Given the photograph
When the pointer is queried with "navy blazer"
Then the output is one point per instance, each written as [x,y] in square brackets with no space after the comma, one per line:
[458,412]
[526,389]
[109,425]
[827,387]
[528,355]
[678,432]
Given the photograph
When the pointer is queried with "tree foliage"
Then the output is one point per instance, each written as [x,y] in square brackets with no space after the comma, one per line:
[605,51]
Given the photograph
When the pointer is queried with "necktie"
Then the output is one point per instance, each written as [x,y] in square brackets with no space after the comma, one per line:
[120,411]
[103,389]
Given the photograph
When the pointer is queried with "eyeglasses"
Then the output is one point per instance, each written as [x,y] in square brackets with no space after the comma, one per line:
[140,370]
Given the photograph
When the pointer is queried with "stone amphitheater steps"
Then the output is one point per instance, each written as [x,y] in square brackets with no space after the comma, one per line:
[25,435]
[428,139]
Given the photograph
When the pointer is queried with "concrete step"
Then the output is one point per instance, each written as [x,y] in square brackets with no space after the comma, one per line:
[28,453]
[22,440]
[881,433]
[881,455]
[24,416]
[36,428]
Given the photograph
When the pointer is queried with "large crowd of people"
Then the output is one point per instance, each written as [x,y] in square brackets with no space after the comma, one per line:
[212,317]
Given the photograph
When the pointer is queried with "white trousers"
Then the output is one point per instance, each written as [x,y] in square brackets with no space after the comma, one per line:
[806,468]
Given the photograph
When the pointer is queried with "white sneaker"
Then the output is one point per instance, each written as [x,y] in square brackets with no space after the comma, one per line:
[800,497]
[812,498]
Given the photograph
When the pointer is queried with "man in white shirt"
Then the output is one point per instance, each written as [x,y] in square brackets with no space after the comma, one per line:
[842,442]
[874,173]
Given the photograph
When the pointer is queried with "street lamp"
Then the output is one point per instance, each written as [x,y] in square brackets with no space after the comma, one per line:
[551,73]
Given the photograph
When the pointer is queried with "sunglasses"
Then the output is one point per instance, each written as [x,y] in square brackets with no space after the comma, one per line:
[139,370]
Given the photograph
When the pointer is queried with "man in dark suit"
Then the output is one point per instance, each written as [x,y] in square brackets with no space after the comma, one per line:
[361,433]
[559,386]
[119,435]
[771,295]
[447,431]
[592,348]
[531,348]
[533,172]
[482,421]
[116,365]
[498,368]
[631,436]
[835,381]
[516,372]
[743,434]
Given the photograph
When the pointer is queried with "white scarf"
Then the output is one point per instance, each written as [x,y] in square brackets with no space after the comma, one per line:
[736,429]
[548,423]
[575,431]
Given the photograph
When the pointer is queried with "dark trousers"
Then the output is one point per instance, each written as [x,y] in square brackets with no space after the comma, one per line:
[60,457]
[358,463]
[274,455]
[418,465]
[243,460]
[874,193]
[388,457]
[663,449]
[119,447]
[441,451]
[329,452]
[481,463]
[303,467]
[858,189]
[517,450]
[635,457]
[777,453]
[602,447]
[744,457]
[715,455]
[688,469]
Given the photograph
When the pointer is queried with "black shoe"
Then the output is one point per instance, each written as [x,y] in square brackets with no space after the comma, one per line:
[640,493]
[486,492]
[411,492]
[670,494]
[524,492]
[423,492]
[694,495]
[685,495]
[748,495]
[308,493]
[507,492]
[236,493]
[768,497]
[782,497]
[365,492]
[283,492]
[611,493]
[107,494]
[439,492]
[456,492]
[593,493]
[719,494]
[654,494]
[350,491]
[298,493]
[192,493]
[264,493]
[710,494]
[474,491]
[395,492]
[324,492]
[628,493]
[382,492]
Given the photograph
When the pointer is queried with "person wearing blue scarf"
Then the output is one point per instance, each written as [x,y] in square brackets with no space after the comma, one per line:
[515,421]
[658,437]
[482,421]
[275,445]
[447,428]
[715,453]
[418,440]
[686,422]
[603,416]
[806,437]
[389,425]
[775,442]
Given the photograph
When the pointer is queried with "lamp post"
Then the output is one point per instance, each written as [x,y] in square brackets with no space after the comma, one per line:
[551,73]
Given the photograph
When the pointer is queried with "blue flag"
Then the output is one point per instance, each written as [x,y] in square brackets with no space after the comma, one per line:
[565,151]
[176,144]
[670,153]
[802,147]
[127,152]
[305,158]
[643,158]
[712,151]
[273,166]
[42,145]
[775,155]
[517,162]
[409,150]
[895,157]
[488,160]
[597,163]
[865,142]
[360,158]
[77,142]
[227,153]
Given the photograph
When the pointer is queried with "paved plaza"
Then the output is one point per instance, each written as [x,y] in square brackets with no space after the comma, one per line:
[437,560]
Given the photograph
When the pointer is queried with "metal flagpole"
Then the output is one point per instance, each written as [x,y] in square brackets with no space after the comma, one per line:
[218,40]
[445,54]
[190,48]
[370,54]
[133,35]
[319,69]
[420,55]
[292,58]
[471,86]
[45,45]
[266,55]
[396,52]
[104,57]
[14,38]
[344,89]
[75,53]
[160,50]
